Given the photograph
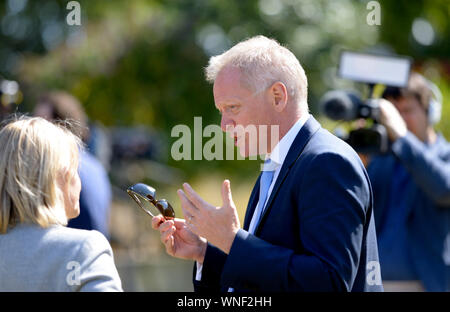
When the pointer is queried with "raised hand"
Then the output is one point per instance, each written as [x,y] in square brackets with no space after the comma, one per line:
[179,240]
[218,225]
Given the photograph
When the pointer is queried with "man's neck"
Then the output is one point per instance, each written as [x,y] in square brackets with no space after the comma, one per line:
[291,119]
[284,128]
[431,135]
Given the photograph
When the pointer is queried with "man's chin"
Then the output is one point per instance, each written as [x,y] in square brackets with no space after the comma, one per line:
[246,152]
[242,152]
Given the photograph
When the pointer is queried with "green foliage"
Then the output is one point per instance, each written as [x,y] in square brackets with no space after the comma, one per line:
[141,62]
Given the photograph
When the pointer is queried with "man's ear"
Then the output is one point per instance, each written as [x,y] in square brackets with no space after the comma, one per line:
[279,96]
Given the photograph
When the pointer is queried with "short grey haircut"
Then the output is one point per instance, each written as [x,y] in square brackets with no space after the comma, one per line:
[262,62]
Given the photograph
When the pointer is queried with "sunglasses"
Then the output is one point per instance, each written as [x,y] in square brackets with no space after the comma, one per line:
[145,197]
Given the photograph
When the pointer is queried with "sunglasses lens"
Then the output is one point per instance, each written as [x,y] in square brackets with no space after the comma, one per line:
[166,209]
[143,190]
[145,204]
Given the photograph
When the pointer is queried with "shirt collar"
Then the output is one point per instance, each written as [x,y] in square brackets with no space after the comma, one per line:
[281,150]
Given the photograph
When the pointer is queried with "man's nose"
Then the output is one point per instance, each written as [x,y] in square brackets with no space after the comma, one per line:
[226,122]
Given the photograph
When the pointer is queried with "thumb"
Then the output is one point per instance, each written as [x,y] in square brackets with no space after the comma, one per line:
[226,193]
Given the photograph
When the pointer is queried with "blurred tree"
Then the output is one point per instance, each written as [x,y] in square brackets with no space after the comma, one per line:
[141,62]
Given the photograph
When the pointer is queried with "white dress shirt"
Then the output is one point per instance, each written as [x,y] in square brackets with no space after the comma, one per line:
[277,157]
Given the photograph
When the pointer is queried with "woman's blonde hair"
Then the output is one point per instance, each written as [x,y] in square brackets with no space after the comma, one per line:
[35,155]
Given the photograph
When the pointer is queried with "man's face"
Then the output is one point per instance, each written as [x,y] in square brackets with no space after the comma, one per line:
[240,106]
[413,113]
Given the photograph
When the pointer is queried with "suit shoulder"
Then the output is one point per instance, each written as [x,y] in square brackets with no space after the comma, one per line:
[323,145]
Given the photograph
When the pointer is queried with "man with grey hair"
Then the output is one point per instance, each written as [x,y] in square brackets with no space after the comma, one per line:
[309,223]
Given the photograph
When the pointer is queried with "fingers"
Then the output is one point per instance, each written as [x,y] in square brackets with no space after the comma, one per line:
[186,205]
[166,228]
[189,219]
[156,221]
[179,223]
[193,196]
[187,216]
[226,193]
[191,227]
[166,234]
[170,246]
[386,107]
[166,225]
[391,118]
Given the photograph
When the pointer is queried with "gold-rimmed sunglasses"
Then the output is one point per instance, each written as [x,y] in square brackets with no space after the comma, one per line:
[145,196]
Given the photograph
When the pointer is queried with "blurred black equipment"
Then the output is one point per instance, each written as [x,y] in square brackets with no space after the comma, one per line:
[344,105]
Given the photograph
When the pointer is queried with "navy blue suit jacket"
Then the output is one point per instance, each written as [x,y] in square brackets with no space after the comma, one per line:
[317,232]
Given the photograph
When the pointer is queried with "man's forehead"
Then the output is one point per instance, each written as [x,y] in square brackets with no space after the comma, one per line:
[228,77]
[407,101]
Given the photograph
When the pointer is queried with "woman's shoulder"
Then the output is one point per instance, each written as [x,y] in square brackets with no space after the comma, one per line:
[82,246]
[52,253]
[72,233]
[60,237]
[88,238]
[56,241]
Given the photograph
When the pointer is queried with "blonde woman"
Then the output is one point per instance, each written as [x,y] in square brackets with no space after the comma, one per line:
[39,193]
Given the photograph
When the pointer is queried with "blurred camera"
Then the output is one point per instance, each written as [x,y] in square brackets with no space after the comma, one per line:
[345,105]
[348,106]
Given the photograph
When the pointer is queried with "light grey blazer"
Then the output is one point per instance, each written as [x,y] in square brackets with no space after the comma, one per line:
[56,259]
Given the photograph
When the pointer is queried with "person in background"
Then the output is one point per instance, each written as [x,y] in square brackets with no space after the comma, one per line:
[39,193]
[95,198]
[411,188]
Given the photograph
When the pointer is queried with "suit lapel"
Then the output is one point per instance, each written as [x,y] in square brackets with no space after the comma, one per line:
[309,128]
[253,201]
